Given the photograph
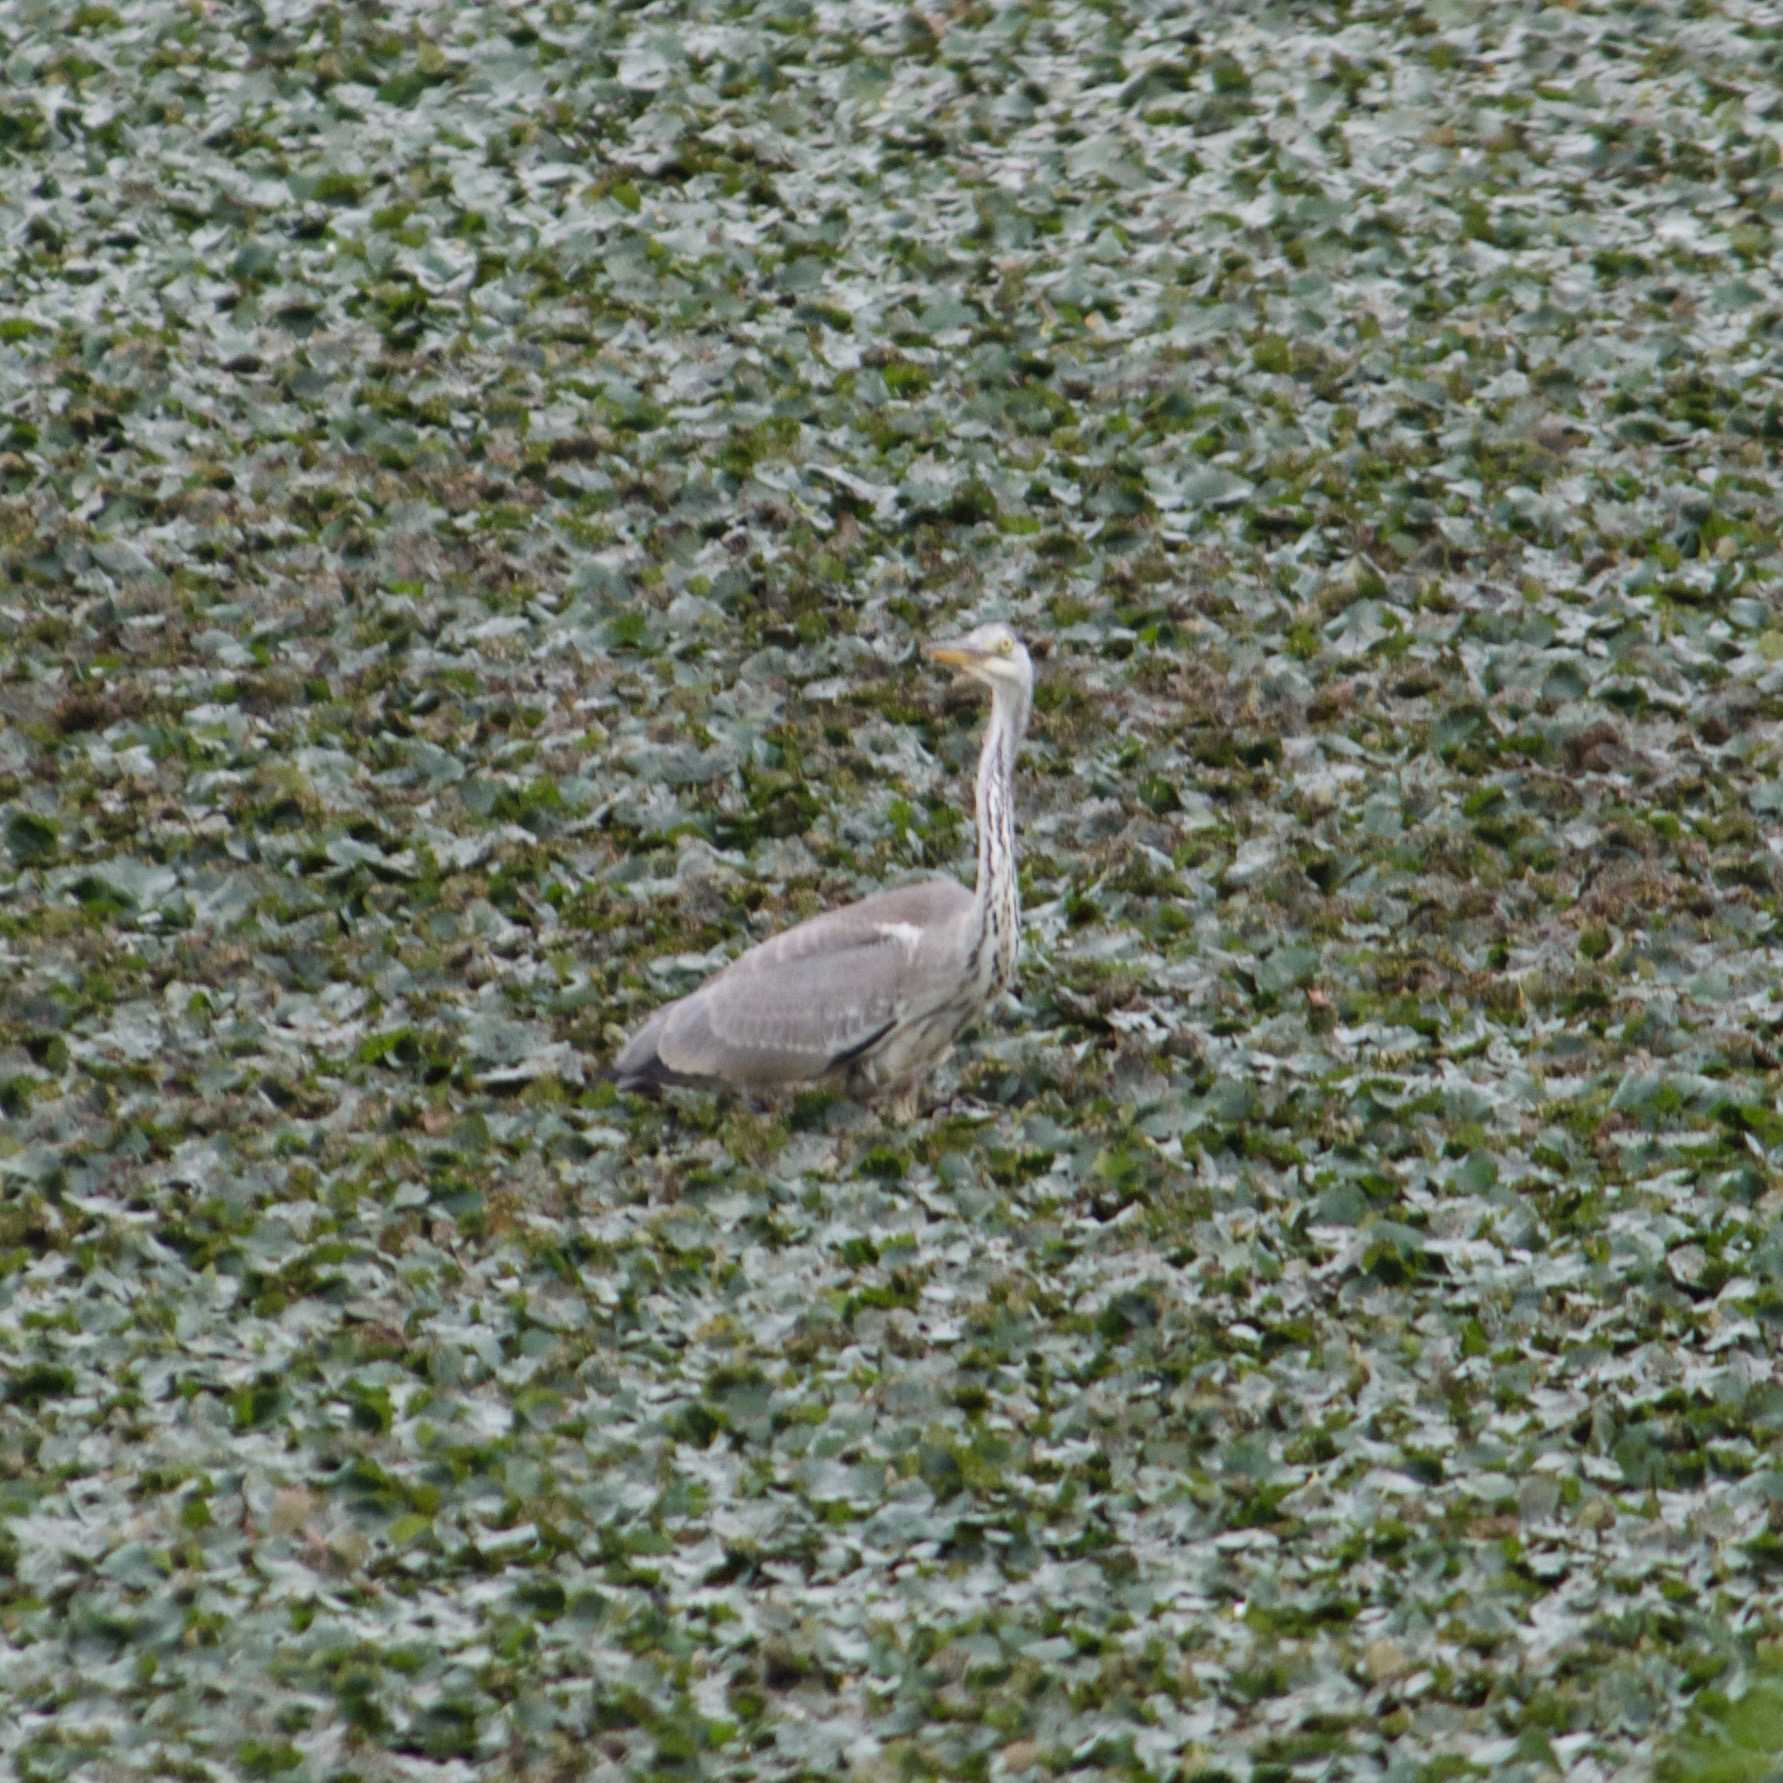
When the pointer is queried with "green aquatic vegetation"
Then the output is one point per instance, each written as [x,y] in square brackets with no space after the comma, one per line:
[469,497]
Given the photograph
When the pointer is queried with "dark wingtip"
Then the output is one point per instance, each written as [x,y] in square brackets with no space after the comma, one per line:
[650,1078]
[860,1049]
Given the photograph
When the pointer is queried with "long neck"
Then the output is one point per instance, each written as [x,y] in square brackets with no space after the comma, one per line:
[996,903]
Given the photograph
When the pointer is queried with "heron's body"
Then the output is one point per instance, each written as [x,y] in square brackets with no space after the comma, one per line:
[875,993]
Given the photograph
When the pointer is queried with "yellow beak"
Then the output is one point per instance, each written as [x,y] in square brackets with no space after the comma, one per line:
[955,656]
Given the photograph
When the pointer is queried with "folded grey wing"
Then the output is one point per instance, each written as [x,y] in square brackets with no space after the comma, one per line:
[804,1001]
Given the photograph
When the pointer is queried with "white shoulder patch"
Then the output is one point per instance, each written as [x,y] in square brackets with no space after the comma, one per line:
[907,935]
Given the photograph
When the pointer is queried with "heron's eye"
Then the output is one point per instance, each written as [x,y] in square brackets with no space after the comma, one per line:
[1005,645]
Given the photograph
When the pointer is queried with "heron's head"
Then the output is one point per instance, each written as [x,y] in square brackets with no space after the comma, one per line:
[992,654]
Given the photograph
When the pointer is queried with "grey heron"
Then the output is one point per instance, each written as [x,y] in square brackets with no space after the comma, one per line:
[872,995]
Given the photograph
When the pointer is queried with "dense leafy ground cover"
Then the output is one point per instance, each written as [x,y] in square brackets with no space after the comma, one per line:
[472,480]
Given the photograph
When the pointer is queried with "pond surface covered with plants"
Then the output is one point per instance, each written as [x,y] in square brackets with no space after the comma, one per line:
[473,483]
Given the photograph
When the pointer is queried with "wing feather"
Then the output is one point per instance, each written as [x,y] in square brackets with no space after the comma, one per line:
[926,906]
[804,1001]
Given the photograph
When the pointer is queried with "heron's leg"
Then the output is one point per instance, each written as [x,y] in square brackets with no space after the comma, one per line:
[902,1107]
